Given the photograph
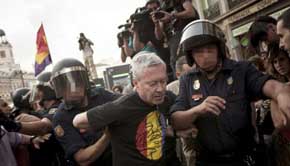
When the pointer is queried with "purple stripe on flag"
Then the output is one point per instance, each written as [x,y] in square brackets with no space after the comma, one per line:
[40,67]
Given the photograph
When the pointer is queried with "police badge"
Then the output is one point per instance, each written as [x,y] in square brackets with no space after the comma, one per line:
[59,131]
[230,80]
[196,85]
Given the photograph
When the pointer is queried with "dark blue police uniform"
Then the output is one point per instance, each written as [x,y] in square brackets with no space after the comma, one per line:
[227,138]
[70,138]
[50,152]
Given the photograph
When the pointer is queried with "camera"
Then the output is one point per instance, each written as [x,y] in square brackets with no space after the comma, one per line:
[167,5]
[140,15]
[158,15]
[124,34]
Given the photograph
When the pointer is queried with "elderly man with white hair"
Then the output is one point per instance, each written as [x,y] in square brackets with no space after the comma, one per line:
[137,122]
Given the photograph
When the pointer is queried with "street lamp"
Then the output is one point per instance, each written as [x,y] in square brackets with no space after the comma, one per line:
[16,73]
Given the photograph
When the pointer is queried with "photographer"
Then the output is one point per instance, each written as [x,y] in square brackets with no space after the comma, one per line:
[143,28]
[144,38]
[123,42]
[171,20]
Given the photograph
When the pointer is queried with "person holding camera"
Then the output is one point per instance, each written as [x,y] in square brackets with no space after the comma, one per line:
[170,21]
[124,38]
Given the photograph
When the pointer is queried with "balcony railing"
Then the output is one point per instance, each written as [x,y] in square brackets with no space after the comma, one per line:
[212,11]
[234,3]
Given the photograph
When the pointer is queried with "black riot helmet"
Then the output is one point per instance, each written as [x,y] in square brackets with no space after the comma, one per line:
[20,98]
[43,78]
[42,84]
[199,33]
[70,80]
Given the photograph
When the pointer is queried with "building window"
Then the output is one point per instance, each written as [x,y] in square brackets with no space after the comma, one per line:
[235,3]
[211,9]
[2,54]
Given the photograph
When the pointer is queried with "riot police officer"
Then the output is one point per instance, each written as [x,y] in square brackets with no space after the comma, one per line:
[51,152]
[22,108]
[43,94]
[71,83]
[216,96]
[21,118]
[41,122]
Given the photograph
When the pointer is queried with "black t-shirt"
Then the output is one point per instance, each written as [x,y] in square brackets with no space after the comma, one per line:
[69,137]
[137,129]
[181,23]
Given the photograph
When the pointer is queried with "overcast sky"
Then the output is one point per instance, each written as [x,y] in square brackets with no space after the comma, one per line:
[63,20]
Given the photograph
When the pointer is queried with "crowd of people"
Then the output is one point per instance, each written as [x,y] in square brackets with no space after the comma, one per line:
[214,111]
[157,27]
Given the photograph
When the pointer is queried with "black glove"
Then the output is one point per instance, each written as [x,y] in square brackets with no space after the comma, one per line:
[9,124]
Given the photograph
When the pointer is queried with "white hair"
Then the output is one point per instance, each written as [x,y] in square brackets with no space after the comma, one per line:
[144,60]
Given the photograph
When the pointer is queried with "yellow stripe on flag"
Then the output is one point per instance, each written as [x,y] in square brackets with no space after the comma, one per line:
[40,57]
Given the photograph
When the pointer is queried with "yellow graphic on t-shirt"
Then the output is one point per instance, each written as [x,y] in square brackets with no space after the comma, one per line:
[150,136]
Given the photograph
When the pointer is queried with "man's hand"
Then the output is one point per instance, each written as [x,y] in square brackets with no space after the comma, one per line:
[212,104]
[280,109]
[278,117]
[40,139]
[283,101]
[153,18]
[280,106]
[167,17]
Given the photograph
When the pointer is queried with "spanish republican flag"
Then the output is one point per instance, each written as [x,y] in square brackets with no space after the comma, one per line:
[42,57]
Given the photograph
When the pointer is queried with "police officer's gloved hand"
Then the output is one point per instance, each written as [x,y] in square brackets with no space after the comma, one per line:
[9,124]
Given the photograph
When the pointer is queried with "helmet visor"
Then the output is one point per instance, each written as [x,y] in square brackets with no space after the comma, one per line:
[34,96]
[71,86]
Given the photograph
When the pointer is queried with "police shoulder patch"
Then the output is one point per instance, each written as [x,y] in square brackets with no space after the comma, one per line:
[59,132]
